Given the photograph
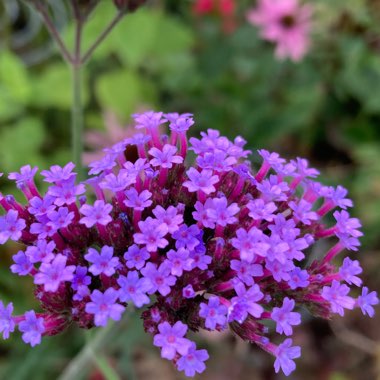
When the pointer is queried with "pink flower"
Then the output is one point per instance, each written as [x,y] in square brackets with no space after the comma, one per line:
[286,23]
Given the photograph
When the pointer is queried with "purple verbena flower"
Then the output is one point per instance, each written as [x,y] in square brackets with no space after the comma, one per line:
[138,201]
[11,226]
[152,234]
[22,265]
[32,328]
[285,317]
[187,237]
[336,294]
[201,181]
[104,306]
[214,313]
[7,324]
[99,213]
[136,257]
[349,270]
[133,288]
[102,262]
[171,340]
[285,354]
[159,278]
[166,157]
[193,361]
[366,301]
[51,275]
[179,261]
[58,174]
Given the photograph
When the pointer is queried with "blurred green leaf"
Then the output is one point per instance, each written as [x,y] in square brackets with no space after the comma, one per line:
[52,88]
[15,88]
[123,91]
[20,144]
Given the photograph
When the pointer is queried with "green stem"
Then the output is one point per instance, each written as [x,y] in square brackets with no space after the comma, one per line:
[77,119]
[107,371]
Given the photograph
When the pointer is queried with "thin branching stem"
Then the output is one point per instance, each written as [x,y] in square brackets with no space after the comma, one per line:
[87,55]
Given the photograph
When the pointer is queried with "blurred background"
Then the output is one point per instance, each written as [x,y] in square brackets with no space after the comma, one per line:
[173,57]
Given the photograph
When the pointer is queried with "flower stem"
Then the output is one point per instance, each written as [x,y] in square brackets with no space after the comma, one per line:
[87,55]
[77,119]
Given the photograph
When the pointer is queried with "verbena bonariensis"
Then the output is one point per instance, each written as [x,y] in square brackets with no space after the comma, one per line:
[201,246]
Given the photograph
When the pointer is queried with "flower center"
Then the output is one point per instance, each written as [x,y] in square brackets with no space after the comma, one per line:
[288,21]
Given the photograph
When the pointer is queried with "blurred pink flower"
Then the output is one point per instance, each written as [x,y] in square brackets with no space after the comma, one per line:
[287,23]
[96,141]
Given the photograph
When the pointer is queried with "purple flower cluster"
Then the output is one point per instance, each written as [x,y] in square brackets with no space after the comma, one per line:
[210,246]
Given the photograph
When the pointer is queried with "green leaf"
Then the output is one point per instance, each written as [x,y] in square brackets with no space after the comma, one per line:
[123,91]
[20,144]
[15,88]
[52,88]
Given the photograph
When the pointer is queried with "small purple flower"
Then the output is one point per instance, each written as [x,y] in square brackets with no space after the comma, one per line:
[222,214]
[260,210]
[302,211]
[99,213]
[201,215]
[152,234]
[159,278]
[347,226]
[104,306]
[42,252]
[298,278]
[118,183]
[103,165]
[22,265]
[201,181]
[285,317]
[180,123]
[273,159]
[166,157]
[246,271]
[338,298]
[187,237]
[148,120]
[138,201]
[214,313]
[171,217]
[38,206]
[338,197]
[179,261]
[133,288]
[193,361]
[349,270]
[66,193]
[80,278]
[52,274]
[60,218]
[247,300]
[32,328]
[57,173]
[11,226]
[7,324]
[284,355]
[25,176]
[280,270]
[250,244]
[199,257]
[102,262]
[171,340]
[135,257]
[188,292]
[366,300]
[273,189]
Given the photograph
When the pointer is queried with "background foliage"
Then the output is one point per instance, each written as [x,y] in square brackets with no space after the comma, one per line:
[326,108]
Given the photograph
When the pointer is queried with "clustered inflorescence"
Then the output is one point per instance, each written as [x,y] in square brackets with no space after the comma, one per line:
[208,245]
